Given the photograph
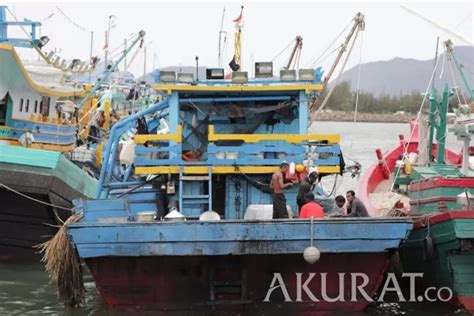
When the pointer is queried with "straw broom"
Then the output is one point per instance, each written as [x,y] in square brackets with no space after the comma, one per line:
[63,265]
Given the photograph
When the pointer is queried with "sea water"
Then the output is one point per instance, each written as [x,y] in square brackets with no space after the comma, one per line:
[25,288]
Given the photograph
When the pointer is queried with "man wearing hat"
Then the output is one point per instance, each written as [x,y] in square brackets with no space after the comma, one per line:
[278,185]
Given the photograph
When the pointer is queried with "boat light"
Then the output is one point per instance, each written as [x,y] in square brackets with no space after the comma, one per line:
[240,77]
[306,74]
[214,73]
[185,77]
[43,41]
[264,70]
[287,75]
[50,56]
[167,76]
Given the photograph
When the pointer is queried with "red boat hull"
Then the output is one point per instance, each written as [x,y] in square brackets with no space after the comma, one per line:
[375,174]
[191,283]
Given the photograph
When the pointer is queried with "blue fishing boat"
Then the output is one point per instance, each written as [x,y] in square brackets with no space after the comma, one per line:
[216,247]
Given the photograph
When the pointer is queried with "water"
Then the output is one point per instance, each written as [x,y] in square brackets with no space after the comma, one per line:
[25,287]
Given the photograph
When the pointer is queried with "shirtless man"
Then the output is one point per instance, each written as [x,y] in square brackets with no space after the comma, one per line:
[277,184]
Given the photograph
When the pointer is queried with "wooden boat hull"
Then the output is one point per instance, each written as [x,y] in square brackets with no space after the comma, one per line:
[44,176]
[191,283]
[450,262]
[374,176]
[229,265]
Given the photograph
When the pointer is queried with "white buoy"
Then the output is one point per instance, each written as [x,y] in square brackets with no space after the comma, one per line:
[311,254]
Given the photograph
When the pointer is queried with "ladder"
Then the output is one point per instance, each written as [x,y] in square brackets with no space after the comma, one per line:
[199,198]
[227,282]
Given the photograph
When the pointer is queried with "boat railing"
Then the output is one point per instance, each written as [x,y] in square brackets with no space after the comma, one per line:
[256,153]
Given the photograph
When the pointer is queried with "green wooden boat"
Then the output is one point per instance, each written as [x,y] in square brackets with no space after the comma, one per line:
[37,187]
[440,188]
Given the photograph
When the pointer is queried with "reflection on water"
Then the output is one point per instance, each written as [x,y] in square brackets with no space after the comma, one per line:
[25,287]
[25,290]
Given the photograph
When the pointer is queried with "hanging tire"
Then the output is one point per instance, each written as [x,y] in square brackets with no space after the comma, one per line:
[429,248]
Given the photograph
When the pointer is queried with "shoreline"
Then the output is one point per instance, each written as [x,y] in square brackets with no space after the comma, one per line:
[341,116]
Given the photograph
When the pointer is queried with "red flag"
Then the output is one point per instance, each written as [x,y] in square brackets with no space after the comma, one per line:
[239,19]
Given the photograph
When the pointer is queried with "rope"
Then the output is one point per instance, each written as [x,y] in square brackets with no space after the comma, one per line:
[333,190]
[21,26]
[83,29]
[456,87]
[338,76]
[330,45]
[358,77]
[283,50]
[33,199]
[405,146]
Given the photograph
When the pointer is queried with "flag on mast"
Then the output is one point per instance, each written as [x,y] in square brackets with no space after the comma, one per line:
[239,18]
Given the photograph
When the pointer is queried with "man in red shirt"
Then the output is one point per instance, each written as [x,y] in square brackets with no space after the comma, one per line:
[311,208]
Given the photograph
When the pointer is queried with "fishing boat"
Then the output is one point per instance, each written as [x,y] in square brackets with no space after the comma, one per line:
[36,125]
[219,246]
[423,179]
[42,116]
[190,226]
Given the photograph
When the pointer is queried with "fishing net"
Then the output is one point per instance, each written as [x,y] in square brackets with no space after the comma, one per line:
[63,265]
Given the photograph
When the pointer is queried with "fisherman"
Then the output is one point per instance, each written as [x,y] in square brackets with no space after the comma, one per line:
[355,207]
[95,125]
[142,126]
[278,185]
[340,203]
[311,209]
[306,186]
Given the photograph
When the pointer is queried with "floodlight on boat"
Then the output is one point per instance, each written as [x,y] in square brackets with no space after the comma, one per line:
[287,75]
[43,41]
[240,77]
[50,56]
[214,73]
[56,60]
[185,77]
[264,70]
[306,74]
[167,76]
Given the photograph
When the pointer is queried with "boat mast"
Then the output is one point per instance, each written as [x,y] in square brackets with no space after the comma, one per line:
[296,49]
[96,87]
[358,23]
[438,123]
[449,51]
[236,63]
[221,32]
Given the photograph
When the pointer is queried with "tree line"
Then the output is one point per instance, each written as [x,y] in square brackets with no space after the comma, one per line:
[343,99]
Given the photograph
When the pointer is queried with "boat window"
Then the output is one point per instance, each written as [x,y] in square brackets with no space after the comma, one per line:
[36,106]
[44,106]
[27,106]
[21,105]
[3,109]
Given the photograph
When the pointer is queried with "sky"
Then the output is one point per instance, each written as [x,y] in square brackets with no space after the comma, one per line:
[177,32]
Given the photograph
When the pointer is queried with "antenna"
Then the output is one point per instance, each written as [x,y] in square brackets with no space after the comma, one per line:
[221,32]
